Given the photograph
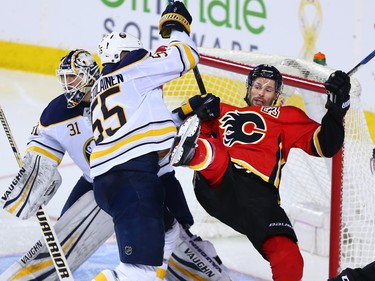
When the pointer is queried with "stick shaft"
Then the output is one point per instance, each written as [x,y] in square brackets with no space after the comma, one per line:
[199,80]
[362,62]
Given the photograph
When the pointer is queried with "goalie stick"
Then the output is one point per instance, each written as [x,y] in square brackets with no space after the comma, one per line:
[48,232]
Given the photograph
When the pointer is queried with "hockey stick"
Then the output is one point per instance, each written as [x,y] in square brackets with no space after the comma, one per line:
[199,80]
[49,234]
[362,62]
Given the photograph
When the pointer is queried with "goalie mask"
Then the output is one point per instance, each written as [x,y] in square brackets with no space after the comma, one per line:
[265,71]
[77,73]
[113,44]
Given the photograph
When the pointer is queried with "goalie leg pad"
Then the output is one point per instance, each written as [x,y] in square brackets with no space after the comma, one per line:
[79,234]
[195,259]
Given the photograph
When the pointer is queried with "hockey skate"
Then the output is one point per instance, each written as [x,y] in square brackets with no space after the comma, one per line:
[184,143]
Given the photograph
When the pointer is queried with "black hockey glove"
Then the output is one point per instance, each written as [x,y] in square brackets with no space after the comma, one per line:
[207,106]
[349,275]
[176,17]
[338,88]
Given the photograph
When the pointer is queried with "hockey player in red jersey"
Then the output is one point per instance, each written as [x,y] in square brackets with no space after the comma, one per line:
[238,158]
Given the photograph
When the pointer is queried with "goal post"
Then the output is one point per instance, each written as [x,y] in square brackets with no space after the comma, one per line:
[330,203]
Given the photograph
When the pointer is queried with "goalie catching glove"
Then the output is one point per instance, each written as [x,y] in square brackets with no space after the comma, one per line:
[35,184]
[338,88]
[207,106]
[175,17]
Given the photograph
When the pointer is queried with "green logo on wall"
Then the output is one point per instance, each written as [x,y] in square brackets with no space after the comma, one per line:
[113,3]
[235,14]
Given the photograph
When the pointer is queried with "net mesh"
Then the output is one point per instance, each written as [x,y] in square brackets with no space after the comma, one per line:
[305,188]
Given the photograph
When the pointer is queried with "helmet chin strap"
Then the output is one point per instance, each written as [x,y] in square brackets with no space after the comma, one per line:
[275,100]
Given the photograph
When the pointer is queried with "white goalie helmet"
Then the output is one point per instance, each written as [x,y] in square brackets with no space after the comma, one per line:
[77,73]
[113,44]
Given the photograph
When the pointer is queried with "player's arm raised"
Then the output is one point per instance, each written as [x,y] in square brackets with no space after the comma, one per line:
[181,55]
[331,135]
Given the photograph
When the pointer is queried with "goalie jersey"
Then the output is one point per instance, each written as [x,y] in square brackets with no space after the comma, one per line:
[62,130]
[129,115]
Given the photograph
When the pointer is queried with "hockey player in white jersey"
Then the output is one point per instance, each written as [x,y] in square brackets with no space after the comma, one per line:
[132,125]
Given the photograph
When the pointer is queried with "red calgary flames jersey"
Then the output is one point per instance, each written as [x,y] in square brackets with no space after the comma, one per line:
[259,138]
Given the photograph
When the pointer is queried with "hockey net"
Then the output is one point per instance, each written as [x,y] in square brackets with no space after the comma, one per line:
[341,226]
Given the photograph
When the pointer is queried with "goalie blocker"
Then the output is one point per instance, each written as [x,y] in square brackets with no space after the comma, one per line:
[35,184]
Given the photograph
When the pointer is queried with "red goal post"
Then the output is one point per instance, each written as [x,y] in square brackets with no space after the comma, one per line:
[334,199]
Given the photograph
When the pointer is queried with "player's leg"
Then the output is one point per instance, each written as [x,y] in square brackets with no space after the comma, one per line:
[211,159]
[206,264]
[81,187]
[133,195]
[267,226]
[284,257]
[250,206]
[207,155]
[175,199]
[172,234]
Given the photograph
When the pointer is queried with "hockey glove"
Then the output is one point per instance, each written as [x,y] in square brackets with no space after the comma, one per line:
[347,274]
[338,88]
[175,17]
[207,106]
[35,184]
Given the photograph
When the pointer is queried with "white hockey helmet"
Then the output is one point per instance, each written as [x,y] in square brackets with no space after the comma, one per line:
[113,44]
[77,73]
